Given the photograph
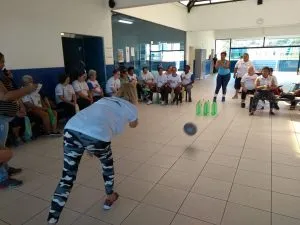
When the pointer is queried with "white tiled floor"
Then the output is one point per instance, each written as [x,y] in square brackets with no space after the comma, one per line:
[237,170]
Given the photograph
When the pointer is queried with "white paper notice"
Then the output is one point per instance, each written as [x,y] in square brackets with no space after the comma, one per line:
[127,54]
[132,51]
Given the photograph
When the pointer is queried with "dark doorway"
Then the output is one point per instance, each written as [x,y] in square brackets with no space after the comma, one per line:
[84,53]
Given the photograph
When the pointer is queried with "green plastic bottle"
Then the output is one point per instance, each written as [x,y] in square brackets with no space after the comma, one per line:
[208,108]
[205,108]
[198,108]
[214,109]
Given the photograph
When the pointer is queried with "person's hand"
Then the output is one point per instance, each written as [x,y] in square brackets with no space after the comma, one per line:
[31,88]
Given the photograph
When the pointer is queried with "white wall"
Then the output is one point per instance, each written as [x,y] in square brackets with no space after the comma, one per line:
[244,14]
[169,14]
[30,30]
[258,32]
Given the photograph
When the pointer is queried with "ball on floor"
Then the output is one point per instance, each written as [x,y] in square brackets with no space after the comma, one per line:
[190,129]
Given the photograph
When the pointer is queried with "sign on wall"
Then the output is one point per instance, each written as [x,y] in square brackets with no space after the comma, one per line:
[127,54]
[120,55]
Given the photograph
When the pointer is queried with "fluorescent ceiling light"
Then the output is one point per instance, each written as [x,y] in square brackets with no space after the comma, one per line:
[62,34]
[125,21]
[184,2]
[217,1]
[202,2]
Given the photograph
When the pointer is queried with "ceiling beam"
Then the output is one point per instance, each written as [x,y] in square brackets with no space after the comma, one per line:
[190,5]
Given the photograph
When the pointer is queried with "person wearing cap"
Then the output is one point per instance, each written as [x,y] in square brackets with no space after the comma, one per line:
[92,131]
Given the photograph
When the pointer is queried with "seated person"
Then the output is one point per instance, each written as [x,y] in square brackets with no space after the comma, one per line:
[65,96]
[146,79]
[113,84]
[264,85]
[124,79]
[187,82]
[275,90]
[94,86]
[41,108]
[161,82]
[174,84]
[248,84]
[83,94]
[17,126]
[131,75]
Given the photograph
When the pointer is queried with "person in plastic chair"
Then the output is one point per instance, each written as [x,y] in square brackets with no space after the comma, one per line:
[92,131]
[188,78]
[248,84]
[264,86]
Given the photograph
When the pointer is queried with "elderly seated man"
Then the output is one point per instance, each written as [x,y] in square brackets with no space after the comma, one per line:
[41,108]
[264,86]
[248,84]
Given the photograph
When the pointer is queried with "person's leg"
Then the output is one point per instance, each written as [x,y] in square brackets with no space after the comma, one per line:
[189,92]
[68,109]
[167,91]
[4,126]
[139,90]
[256,98]
[237,87]
[73,151]
[218,86]
[224,83]
[5,155]
[177,92]
[83,103]
[271,98]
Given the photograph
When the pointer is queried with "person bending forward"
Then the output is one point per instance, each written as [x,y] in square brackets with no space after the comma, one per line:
[92,130]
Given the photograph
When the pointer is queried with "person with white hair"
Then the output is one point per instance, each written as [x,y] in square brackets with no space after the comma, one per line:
[94,85]
[91,130]
[40,108]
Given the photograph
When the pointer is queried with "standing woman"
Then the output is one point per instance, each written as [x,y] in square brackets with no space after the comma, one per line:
[223,67]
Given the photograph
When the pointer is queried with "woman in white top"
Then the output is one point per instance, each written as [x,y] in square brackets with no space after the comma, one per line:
[38,107]
[146,79]
[113,84]
[65,96]
[248,84]
[131,76]
[94,86]
[264,85]
[84,96]
[174,84]
[187,82]
[161,82]
[91,131]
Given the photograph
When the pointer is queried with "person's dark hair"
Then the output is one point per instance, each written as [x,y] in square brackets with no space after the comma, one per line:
[131,68]
[188,67]
[145,67]
[271,69]
[224,53]
[160,68]
[169,67]
[80,73]
[62,78]
[266,68]
[1,56]
[124,70]
[115,71]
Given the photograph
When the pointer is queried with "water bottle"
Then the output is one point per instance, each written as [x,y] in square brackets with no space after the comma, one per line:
[214,109]
[208,108]
[205,108]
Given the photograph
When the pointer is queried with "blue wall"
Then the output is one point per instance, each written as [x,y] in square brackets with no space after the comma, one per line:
[48,77]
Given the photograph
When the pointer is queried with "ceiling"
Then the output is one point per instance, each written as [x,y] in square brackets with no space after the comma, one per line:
[121,4]
[207,2]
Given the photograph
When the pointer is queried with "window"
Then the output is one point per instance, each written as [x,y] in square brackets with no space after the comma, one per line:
[222,46]
[279,41]
[247,43]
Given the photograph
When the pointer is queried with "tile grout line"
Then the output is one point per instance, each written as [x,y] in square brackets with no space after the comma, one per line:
[204,164]
[271,215]
[249,128]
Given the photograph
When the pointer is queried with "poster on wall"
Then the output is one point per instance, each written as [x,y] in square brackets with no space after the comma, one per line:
[120,55]
[127,54]
[132,52]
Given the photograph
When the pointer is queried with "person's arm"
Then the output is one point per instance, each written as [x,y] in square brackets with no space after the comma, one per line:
[236,69]
[218,64]
[227,65]
[133,124]
[257,84]
[6,95]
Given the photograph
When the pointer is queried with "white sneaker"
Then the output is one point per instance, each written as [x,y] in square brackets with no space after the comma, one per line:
[162,102]
[149,102]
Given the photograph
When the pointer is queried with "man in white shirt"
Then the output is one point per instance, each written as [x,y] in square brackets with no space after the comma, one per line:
[187,82]
[161,82]
[248,84]
[240,69]
[146,81]
[113,84]
[92,130]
